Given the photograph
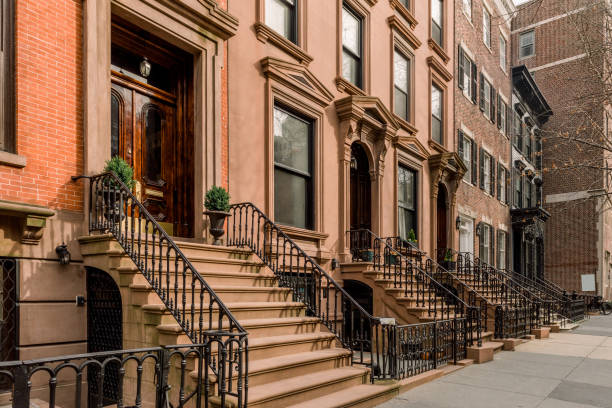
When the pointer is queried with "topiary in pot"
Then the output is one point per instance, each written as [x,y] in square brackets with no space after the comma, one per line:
[111,198]
[217,206]
[124,171]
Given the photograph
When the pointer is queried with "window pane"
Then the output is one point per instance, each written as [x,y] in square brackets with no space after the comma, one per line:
[467,158]
[467,76]
[153,149]
[291,141]
[114,126]
[351,69]
[406,188]
[436,130]
[290,199]
[279,16]
[486,27]
[436,33]
[502,52]
[401,104]
[467,7]
[436,102]
[400,71]
[436,11]
[351,32]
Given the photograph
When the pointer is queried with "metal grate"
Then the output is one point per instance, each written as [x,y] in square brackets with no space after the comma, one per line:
[8,313]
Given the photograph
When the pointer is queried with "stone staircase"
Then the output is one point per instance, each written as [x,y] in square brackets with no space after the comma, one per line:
[293,358]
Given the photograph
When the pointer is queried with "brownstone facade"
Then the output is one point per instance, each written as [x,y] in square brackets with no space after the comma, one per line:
[482,100]
[578,232]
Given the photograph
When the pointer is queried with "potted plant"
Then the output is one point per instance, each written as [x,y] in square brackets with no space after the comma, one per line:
[125,173]
[448,262]
[217,205]
[412,237]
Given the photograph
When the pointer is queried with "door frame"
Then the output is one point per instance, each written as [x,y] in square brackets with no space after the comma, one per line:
[199,28]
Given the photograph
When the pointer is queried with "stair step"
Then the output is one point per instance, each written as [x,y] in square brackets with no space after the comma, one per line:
[304,388]
[131,275]
[267,347]
[227,293]
[364,395]
[159,314]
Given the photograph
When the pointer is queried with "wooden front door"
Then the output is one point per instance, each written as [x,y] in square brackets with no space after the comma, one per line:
[152,127]
[143,124]
[361,196]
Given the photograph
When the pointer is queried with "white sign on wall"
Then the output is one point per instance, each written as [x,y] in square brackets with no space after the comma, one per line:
[588,283]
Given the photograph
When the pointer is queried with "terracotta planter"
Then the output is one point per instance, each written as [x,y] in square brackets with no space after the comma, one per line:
[217,222]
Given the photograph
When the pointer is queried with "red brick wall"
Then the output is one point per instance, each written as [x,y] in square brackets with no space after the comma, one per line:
[49,105]
[484,131]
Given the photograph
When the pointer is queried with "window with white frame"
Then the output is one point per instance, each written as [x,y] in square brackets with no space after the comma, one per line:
[502,109]
[466,152]
[502,238]
[436,114]
[487,171]
[406,201]
[503,62]
[467,8]
[466,235]
[527,44]
[501,183]
[401,84]
[486,97]
[484,252]
[352,48]
[486,27]
[281,16]
[468,73]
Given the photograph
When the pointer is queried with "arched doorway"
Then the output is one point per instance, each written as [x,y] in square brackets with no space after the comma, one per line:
[361,188]
[104,330]
[442,219]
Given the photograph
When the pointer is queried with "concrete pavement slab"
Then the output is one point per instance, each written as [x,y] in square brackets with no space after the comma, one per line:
[590,371]
[525,367]
[601,353]
[573,338]
[582,393]
[555,403]
[537,358]
[562,349]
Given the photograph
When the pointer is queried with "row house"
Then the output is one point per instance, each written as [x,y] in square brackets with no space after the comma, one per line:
[559,42]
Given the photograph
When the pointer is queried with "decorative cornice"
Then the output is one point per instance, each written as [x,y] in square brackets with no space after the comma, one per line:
[411,144]
[368,108]
[404,12]
[34,219]
[396,24]
[407,126]
[438,50]
[265,34]
[298,78]
[439,68]
[206,13]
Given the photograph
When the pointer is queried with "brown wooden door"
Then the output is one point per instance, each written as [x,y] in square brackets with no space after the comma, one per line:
[360,189]
[143,133]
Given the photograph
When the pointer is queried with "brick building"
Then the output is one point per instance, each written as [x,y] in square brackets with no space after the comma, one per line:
[549,38]
[482,121]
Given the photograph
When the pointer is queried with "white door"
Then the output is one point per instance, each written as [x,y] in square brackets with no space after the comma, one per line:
[466,235]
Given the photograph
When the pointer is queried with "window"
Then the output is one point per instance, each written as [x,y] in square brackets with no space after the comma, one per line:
[466,152]
[502,175]
[528,194]
[401,82]
[486,245]
[502,53]
[436,114]
[467,75]
[502,238]
[436,21]
[485,96]
[352,27]
[405,3]
[466,235]
[7,78]
[467,8]
[292,169]
[487,172]
[502,109]
[281,16]
[527,44]
[406,201]
[486,27]
[518,189]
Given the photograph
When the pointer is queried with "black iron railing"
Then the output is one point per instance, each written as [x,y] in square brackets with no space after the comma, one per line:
[324,298]
[418,348]
[185,293]
[145,377]
[402,266]
[8,312]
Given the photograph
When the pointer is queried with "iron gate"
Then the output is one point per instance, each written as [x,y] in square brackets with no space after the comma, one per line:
[104,331]
[8,313]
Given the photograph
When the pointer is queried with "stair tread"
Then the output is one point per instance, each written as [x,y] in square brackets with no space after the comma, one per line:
[232,306]
[221,288]
[348,396]
[296,359]
[297,384]
[288,338]
[275,321]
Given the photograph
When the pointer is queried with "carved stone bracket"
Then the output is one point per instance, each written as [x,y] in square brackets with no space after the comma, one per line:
[34,219]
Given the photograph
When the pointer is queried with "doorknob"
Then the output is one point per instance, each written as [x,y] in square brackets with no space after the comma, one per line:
[138,190]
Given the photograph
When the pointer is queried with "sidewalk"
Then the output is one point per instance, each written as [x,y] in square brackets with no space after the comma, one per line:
[569,370]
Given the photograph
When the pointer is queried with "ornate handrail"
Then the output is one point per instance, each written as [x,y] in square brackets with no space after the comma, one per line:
[324,298]
[113,208]
[413,280]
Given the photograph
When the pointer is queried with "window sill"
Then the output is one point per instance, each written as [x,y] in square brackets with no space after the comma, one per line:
[404,124]
[265,34]
[438,50]
[345,86]
[468,97]
[12,159]
[404,12]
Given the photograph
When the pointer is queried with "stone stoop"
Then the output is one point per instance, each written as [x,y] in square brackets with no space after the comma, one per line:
[485,352]
[541,333]
[293,358]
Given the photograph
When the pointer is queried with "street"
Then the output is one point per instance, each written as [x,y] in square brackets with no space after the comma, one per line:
[568,370]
